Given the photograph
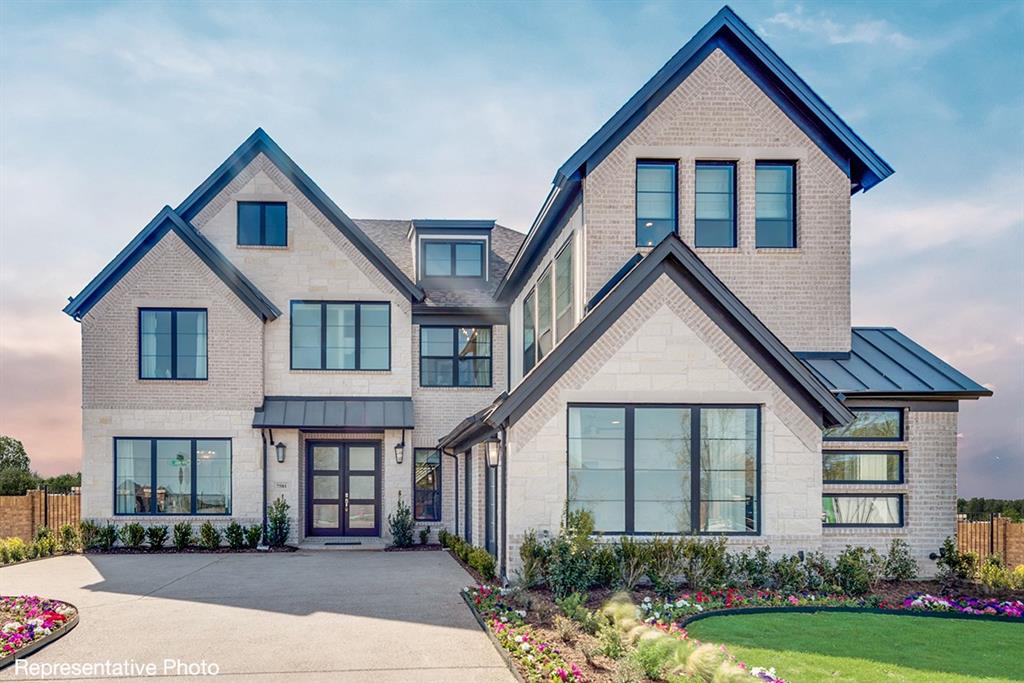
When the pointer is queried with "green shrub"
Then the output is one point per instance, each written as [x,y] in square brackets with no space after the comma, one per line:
[42,533]
[788,574]
[482,561]
[704,563]
[755,570]
[631,557]
[278,525]
[14,549]
[87,533]
[534,556]
[464,549]
[606,566]
[234,534]
[704,661]
[183,536]
[442,537]
[132,535]
[68,534]
[858,569]
[253,534]
[569,569]
[424,535]
[664,564]
[574,607]
[655,654]
[900,564]
[209,536]
[106,536]
[156,536]
[45,546]
[401,524]
[956,569]
[610,641]
[818,573]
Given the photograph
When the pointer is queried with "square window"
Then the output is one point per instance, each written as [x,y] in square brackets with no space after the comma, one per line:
[172,343]
[263,224]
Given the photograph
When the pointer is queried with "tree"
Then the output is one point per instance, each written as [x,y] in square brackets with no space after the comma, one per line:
[62,483]
[15,482]
[12,454]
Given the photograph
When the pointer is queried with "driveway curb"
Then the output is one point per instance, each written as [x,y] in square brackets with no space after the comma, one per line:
[37,645]
[502,652]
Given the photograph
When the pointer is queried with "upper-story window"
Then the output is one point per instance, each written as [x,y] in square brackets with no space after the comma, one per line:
[655,201]
[549,310]
[564,295]
[338,335]
[455,356]
[263,224]
[172,343]
[529,332]
[870,424]
[776,204]
[544,308]
[443,258]
[715,204]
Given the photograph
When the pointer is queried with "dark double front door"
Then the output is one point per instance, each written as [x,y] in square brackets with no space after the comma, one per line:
[343,488]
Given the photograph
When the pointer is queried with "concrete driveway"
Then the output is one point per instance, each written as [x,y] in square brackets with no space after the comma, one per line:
[305,616]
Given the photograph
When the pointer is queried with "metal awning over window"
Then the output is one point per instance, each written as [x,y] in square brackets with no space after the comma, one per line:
[319,412]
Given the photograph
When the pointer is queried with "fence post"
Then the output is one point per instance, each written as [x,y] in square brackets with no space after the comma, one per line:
[991,534]
[46,506]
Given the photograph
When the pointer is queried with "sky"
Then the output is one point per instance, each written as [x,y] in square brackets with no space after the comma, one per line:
[110,111]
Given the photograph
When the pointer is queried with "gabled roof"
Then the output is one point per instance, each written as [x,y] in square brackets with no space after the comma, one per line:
[729,33]
[258,142]
[885,362]
[673,258]
[166,221]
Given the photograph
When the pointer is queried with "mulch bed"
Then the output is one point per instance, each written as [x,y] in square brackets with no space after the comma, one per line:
[191,550]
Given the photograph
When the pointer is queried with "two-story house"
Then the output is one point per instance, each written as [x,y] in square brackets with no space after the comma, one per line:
[668,347]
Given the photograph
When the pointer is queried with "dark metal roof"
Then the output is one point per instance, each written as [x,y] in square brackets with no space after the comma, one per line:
[452,224]
[883,361]
[335,412]
[166,221]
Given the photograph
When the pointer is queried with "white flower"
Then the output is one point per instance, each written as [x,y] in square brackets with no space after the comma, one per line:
[700,608]
[525,647]
[519,639]
[11,627]
[521,613]
[504,618]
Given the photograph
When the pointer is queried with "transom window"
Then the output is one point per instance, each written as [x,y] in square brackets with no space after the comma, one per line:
[453,258]
[172,476]
[862,467]
[335,335]
[775,204]
[666,469]
[870,424]
[172,343]
[855,510]
[426,485]
[715,204]
[263,224]
[455,356]
[655,201]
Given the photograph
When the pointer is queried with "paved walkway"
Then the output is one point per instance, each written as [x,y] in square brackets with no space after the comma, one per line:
[305,616]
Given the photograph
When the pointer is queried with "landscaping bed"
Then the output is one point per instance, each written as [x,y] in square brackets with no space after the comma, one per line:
[28,622]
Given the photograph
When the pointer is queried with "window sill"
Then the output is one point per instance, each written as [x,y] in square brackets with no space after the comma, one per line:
[317,371]
[263,247]
[717,250]
[778,250]
[489,387]
[172,380]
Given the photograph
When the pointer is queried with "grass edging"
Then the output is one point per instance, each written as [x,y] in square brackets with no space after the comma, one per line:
[37,645]
[505,656]
[811,609]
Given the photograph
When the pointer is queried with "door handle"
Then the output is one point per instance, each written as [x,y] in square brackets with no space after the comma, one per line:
[346,502]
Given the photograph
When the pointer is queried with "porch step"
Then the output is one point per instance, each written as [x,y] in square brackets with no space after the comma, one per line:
[343,543]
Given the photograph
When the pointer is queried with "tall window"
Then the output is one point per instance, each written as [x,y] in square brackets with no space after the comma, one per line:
[544,335]
[666,469]
[841,509]
[775,204]
[263,224]
[172,476]
[327,335]
[870,424]
[564,317]
[529,332]
[172,343]
[655,201]
[715,204]
[453,258]
[455,356]
[427,485]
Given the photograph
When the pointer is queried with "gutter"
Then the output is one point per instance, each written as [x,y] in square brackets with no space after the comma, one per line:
[263,435]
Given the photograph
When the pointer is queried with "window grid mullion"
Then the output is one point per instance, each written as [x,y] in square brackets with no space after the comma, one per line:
[323,336]
[358,311]
[630,474]
[194,503]
[695,457]
[174,345]
[152,476]
[455,344]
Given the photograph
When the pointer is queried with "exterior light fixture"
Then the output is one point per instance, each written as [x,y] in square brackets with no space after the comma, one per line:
[400,449]
[280,448]
[493,450]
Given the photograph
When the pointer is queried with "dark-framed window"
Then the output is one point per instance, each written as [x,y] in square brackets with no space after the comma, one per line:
[340,335]
[189,476]
[668,469]
[263,224]
[862,467]
[545,333]
[564,292]
[529,332]
[715,204]
[172,343]
[455,356]
[775,204]
[870,424]
[862,510]
[452,258]
[656,206]
[426,485]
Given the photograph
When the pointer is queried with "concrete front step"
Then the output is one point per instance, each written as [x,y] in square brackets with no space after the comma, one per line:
[343,543]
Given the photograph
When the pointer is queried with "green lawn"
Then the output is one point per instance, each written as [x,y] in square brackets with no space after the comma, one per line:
[837,647]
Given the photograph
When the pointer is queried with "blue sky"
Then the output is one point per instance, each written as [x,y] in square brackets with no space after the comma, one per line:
[110,111]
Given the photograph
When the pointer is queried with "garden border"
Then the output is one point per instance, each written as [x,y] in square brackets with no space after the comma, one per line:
[811,609]
[37,645]
[502,652]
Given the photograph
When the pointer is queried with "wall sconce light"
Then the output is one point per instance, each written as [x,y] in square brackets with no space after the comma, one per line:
[279,447]
[400,449]
[493,450]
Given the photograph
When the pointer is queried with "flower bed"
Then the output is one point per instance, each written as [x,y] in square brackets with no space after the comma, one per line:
[760,673]
[965,605]
[28,621]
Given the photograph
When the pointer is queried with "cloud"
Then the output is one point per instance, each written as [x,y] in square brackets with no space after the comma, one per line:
[870,32]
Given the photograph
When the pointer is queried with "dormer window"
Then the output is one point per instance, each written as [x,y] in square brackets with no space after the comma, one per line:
[262,224]
[453,258]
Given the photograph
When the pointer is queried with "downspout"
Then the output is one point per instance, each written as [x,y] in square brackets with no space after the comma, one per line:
[263,435]
[456,487]
[503,460]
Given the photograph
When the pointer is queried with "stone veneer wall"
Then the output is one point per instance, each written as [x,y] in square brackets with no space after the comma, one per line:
[802,294]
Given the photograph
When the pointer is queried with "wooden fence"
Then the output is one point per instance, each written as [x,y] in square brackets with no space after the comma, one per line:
[995,535]
[22,515]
